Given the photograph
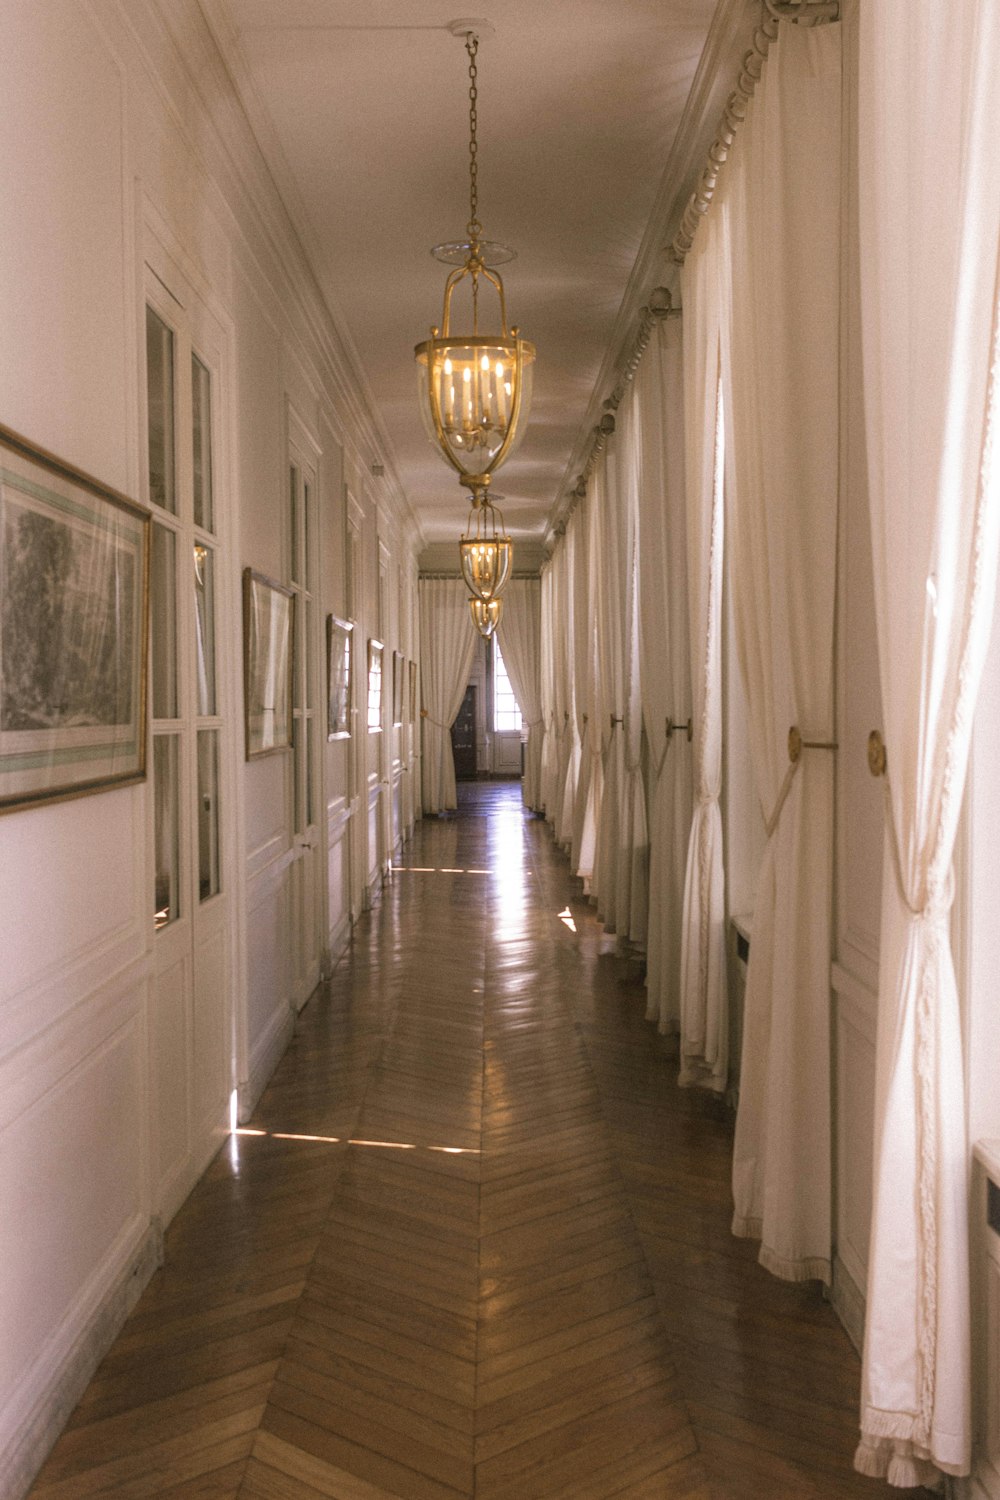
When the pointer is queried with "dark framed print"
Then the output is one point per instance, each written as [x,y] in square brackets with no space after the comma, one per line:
[74,623]
[339,659]
[398,671]
[413,691]
[374,686]
[268,647]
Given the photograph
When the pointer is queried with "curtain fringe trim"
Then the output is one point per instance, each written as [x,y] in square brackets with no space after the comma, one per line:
[809,1268]
[887,1451]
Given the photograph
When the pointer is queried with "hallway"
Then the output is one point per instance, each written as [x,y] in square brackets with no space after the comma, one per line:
[474,1241]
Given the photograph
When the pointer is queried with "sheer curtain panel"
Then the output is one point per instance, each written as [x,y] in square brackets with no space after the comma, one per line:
[447,646]
[780,380]
[519,633]
[665,661]
[610,683]
[633,837]
[586,688]
[929,173]
[704,995]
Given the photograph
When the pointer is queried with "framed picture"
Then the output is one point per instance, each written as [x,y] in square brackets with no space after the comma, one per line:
[413,692]
[398,671]
[338,676]
[74,623]
[268,647]
[374,687]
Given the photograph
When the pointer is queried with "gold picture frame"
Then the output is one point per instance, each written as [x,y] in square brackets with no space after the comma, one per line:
[268,657]
[74,630]
[398,671]
[339,670]
[375,653]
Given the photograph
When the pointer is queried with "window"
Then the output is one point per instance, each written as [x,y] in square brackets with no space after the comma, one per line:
[506,714]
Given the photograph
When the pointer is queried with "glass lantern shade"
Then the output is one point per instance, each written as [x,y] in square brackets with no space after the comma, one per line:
[485,550]
[486,565]
[486,617]
[475,391]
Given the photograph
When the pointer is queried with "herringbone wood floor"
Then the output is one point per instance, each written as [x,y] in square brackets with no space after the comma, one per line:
[479,1246]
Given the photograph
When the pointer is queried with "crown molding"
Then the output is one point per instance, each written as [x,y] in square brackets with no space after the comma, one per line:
[729,36]
[241,157]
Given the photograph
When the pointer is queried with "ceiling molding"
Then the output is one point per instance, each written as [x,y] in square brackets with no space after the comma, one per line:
[728,38]
[208,54]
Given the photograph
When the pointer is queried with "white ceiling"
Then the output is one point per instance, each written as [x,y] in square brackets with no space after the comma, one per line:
[361,108]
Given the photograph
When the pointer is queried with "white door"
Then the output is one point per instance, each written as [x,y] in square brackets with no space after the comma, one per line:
[306,798]
[357,753]
[190,1019]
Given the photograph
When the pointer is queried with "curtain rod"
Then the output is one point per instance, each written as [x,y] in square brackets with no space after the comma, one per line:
[808,12]
[457,577]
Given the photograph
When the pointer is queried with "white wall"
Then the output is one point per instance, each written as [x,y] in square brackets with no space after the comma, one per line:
[115,1068]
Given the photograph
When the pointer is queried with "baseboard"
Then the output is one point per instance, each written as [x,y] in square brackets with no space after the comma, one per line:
[339,940]
[268,1053]
[67,1376]
[848,1303]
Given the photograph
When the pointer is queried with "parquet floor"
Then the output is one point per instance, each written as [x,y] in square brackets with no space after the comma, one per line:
[477,1244]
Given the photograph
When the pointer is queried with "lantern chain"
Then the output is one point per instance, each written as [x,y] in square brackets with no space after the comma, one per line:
[475,229]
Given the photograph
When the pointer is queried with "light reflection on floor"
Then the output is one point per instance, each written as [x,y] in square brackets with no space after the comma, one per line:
[241,1132]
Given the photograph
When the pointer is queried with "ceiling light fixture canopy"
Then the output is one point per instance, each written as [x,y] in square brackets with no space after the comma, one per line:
[475,386]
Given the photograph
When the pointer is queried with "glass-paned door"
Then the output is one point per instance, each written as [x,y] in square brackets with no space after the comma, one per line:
[190,1030]
[307,885]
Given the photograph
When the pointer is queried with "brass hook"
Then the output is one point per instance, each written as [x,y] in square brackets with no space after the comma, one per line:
[878,759]
[796,744]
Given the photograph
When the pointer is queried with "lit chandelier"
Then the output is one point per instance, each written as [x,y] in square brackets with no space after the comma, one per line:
[485,550]
[486,617]
[475,387]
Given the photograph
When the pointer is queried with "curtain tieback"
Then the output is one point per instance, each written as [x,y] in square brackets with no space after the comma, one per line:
[933,904]
[672,729]
[796,745]
[425,715]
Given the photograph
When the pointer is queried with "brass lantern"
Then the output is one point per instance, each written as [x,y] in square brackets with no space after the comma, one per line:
[486,617]
[485,551]
[475,386]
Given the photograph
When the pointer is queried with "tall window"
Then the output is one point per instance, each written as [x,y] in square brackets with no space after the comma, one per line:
[506,714]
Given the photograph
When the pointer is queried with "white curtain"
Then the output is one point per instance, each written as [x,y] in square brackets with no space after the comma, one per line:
[780,378]
[550,745]
[560,691]
[610,683]
[704,997]
[665,661]
[592,779]
[567,816]
[632,878]
[447,646]
[929,172]
[583,675]
[519,634]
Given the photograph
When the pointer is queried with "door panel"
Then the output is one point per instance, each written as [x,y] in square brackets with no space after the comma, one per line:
[190,1051]
[463,737]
